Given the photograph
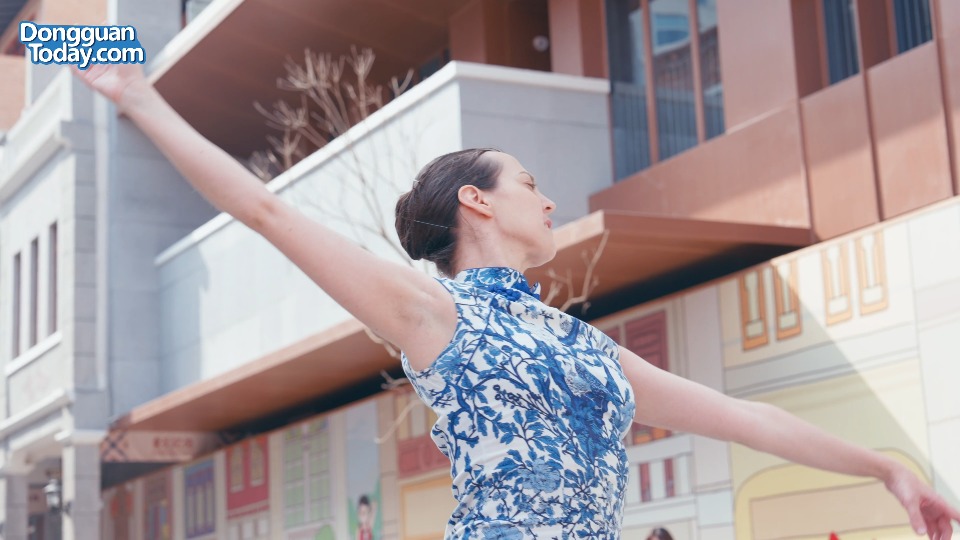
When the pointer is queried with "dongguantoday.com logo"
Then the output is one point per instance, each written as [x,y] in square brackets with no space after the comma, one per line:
[81,45]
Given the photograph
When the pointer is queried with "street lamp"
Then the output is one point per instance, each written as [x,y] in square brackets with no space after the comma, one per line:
[53,491]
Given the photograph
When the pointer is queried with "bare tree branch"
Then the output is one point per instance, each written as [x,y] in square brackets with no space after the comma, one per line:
[590,258]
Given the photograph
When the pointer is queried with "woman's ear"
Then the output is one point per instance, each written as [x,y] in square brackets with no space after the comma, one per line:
[475,199]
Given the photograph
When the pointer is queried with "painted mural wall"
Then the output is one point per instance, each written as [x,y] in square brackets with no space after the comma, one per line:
[857,335]
[298,483]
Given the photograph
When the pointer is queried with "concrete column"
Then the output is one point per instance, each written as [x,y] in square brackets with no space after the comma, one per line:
[13,490]
[81,490]
[578,42]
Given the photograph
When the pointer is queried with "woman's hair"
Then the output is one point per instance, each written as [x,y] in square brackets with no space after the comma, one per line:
[659,534]
[427,214]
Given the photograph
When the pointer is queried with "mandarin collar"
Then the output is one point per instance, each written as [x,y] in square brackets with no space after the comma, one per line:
[499,279]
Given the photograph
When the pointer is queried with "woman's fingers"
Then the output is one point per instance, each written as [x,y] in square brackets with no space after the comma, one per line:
[946,529]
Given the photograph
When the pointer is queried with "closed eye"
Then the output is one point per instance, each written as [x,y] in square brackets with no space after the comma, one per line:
[531,181]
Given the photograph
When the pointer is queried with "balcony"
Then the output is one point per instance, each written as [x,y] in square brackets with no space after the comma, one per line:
[235,315]
[232,53]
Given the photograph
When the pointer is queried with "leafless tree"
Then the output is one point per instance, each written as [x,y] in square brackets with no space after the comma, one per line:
[330,103]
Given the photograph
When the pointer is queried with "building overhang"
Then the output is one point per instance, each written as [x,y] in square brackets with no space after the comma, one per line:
[638,248]
[335,359]
[233,53]
[641,249]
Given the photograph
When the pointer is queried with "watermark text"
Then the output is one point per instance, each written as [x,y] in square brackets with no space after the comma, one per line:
[81,45]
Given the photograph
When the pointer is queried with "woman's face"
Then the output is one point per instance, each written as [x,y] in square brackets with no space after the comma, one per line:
[521,212]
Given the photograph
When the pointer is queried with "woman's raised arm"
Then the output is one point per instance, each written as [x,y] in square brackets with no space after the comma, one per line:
[402,305]
[672,402]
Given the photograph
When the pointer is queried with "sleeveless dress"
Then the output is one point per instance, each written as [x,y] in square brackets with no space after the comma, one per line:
[533,407]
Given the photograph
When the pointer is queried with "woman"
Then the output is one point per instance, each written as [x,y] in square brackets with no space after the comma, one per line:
[533,404]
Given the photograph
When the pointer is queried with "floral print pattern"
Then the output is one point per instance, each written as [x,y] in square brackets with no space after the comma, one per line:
[532,409]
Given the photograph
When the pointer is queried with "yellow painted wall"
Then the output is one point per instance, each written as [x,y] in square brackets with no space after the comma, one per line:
[878,408]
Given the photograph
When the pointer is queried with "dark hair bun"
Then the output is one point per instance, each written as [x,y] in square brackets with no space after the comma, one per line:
[426,216]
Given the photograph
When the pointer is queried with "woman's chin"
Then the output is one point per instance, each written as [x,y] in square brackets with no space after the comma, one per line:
[545,256]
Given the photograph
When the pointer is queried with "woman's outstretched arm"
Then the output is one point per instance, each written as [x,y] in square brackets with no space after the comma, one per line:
[404,306]
[672,402]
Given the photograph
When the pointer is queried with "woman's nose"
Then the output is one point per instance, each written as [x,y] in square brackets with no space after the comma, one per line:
[548,204]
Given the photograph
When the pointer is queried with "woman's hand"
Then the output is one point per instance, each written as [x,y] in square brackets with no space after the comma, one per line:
[120,83]
[929,514]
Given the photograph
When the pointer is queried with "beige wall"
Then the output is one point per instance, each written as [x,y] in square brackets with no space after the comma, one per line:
[12,89]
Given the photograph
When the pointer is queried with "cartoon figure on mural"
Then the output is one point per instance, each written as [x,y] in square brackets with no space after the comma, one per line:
[366,510]
[363,470]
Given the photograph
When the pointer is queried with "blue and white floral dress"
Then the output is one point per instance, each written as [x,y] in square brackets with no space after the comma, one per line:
[533,407]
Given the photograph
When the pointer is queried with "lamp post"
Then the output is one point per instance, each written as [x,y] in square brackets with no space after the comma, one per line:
[53,491]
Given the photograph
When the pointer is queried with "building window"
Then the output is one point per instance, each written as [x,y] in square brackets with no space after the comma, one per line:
[199,517]
[34,291]
[836,280]
[318,451]
[158,521]
[293,481]
[786,300]
[236,469]
[52,280]
[669,483]
[647,338]
[628,79]
[646,494]
[912,23]
[256,464]
[674,44]
[753,309]
[121,512]
[306,461]
[871,269]
[15,316]
[836,39]
[840,32]
[710,81]
[673,76]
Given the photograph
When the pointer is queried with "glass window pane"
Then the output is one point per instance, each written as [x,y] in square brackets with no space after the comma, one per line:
[673,76]
[841,33]
[710,78]
[627,46]
[913,23]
